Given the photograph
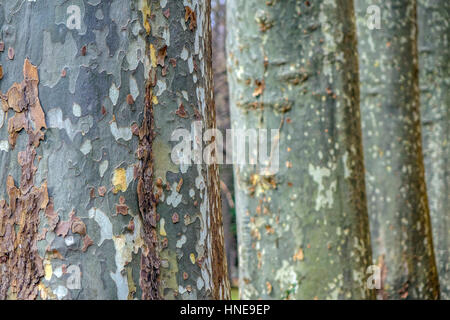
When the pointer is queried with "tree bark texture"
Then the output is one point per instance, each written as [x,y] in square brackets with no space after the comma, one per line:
[396,190]
[434,57]
[303,231]
[91,205]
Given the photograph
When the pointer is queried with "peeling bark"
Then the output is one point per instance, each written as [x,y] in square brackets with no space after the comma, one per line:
[21,267]
[397,199]
[303,232]
[150,261]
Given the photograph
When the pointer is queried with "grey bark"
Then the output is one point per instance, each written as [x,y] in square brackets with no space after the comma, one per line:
[303,231]
[434,57]
[397,199]
[101,199]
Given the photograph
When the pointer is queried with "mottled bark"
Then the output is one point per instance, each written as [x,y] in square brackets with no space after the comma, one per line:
[396,191]
[434,57]
[91,204]
[303,232]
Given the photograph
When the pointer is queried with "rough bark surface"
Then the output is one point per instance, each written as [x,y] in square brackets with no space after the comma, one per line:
[21,267]
[150,262]
[434,57]
[397,198]
[119,216]
[303,232]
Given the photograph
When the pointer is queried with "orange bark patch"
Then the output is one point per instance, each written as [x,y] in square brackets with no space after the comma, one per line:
[299,256]
[260,86]
[23,98]
[190,14]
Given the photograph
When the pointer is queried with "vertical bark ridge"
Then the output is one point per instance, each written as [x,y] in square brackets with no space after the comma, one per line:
[150,261]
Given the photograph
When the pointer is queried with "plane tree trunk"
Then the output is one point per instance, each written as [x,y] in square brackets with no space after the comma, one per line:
[396,190]
[303,230]
[91,204]
[434,55]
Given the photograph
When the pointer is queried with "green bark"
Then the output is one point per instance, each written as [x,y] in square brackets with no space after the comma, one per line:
[99,193]
[303,231]
[396,191]
[434,55]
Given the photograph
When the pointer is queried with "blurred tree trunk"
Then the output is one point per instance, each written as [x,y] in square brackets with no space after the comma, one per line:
[397,199]
[303,231]
[223,123]
[434,56]
[93,207]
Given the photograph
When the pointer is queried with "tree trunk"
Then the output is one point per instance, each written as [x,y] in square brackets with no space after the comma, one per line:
[303,231]
[93,207]
[434,54]
[221,93]
[396,192]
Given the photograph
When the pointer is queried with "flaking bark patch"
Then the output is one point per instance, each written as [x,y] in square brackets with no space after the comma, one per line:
[23,99]
[21,267]
[150,261]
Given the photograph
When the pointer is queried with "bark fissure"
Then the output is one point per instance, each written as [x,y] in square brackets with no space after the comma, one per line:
[150,261]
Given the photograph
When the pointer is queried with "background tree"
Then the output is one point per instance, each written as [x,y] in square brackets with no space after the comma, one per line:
[397,199]
[303,232]
[221,97]
[434,55]
[92,206]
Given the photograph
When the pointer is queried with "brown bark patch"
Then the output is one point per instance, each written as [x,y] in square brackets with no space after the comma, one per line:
[87,242]
[150,261]
[260,86]
[190,14]
[162,53]
[21,267]
[122,208]
[23,99]
[181,112]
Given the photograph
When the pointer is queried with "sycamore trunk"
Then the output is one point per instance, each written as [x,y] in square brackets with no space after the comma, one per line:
[396,191]
[303,229]
[92,207]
